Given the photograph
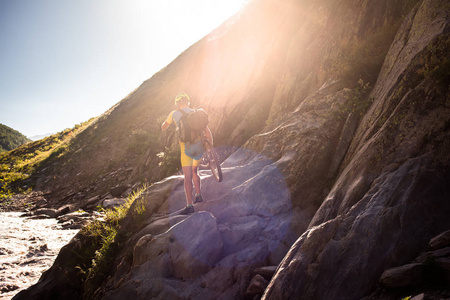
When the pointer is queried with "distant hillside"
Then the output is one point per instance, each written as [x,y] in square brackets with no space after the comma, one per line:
[17,165]
[10,138]
[40,136]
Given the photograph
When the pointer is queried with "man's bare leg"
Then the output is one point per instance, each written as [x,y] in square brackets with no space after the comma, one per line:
[187,171]
[196,180]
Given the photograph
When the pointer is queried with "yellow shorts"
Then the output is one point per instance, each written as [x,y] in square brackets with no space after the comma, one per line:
[187,161]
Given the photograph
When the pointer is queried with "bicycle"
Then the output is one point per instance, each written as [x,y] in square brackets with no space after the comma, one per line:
[210,160]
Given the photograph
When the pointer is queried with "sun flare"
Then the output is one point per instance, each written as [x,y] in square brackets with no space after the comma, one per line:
[175,24]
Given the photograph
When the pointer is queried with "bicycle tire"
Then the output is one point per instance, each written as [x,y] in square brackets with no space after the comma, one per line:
[214,162]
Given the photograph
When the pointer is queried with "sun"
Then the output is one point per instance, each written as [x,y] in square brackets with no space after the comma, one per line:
[155,32]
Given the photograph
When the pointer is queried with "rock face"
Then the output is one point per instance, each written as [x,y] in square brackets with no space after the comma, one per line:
[334,185]
[391,196]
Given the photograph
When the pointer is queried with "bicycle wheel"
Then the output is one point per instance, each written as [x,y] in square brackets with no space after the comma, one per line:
[214,162]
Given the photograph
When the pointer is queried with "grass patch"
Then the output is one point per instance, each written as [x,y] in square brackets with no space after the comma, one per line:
[111,240]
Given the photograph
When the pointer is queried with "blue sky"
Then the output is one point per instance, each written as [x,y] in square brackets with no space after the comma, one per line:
[65,61]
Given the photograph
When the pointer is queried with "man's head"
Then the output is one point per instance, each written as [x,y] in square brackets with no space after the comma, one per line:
[182,100]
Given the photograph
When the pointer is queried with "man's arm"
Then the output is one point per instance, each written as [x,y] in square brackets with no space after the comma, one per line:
[167,122]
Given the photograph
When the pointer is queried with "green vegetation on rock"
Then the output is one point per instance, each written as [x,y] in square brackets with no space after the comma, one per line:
[358,100]
[109,241]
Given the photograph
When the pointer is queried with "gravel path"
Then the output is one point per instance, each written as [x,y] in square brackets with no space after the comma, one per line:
[27,248]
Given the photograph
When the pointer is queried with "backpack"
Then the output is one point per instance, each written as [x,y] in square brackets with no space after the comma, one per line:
[191,125]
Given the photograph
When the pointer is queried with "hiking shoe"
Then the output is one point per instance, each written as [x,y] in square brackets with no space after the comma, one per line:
[198,199]
[187,210]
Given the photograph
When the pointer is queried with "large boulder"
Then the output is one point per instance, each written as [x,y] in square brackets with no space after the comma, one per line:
[47,212]
[257,286]
[440,241]
[119,191]
[115,202]
[188,249]
[406,275]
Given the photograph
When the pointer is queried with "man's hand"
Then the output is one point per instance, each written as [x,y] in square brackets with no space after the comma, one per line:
[165,125]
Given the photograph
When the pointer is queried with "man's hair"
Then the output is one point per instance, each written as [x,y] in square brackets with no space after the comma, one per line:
[182,98]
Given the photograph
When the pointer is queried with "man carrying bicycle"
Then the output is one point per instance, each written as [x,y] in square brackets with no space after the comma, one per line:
[191,153]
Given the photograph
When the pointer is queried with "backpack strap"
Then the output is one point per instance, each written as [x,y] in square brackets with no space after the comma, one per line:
[184,132]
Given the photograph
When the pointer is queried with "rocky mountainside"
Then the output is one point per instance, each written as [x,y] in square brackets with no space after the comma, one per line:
[334,117]
[391,196]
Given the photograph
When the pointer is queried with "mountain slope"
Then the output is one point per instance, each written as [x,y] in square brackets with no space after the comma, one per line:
[10,138]
[17,165]
[247,74]
[333,182]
